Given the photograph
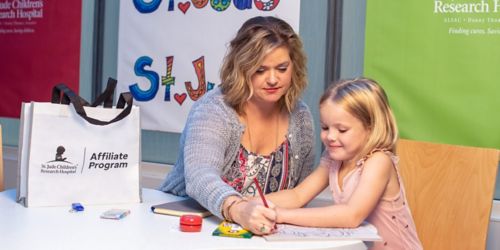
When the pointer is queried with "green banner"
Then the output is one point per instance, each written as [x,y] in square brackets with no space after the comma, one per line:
[439,62]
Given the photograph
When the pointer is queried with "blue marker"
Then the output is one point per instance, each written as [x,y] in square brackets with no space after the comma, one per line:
[77,207]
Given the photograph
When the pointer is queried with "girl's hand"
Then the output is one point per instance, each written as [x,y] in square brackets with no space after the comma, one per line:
[254,216]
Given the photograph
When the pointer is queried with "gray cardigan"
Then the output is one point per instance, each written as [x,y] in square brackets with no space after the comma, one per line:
[209,144]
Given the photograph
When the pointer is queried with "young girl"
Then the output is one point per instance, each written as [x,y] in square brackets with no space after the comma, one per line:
[359,132]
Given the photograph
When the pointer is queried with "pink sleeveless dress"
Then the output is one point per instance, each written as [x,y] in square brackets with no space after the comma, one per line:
[391,217]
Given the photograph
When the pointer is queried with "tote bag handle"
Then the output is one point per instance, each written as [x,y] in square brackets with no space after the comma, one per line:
[105,98]
[69,96]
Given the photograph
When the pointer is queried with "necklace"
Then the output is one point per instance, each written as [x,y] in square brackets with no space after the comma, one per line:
[250,135]
[253,156]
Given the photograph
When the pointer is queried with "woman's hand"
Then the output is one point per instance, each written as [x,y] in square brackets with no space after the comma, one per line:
[254,216]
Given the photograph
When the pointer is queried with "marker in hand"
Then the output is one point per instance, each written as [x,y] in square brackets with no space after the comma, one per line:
[260,192]
[257,185]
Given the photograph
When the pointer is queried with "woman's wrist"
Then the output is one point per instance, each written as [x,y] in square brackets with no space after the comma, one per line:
[233,211]
[229,201]
[228,206]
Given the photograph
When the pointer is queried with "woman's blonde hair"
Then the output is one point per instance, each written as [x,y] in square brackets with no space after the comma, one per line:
[255,39]
[365,99]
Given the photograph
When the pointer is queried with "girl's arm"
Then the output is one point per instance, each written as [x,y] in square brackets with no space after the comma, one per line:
[304,192]
[374,180]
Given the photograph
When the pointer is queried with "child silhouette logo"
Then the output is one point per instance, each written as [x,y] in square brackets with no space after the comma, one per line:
[59,152]
[59,165]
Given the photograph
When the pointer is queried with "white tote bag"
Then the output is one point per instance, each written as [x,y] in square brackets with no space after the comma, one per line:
[75,152]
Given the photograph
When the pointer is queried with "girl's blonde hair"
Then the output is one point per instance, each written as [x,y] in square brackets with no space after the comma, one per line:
[255,39]
[365,99]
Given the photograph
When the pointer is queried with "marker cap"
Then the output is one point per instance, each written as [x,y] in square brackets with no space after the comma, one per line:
[190,223]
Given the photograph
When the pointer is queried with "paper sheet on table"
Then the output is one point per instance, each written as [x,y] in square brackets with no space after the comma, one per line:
[365,232]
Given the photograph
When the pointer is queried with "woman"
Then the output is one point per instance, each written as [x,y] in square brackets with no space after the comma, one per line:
[252,127]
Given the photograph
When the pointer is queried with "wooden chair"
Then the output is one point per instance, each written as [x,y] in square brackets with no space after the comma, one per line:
[450,192]
[1,160]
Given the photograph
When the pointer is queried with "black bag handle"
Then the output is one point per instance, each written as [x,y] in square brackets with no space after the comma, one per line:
[64,99]
[106,97]
[69,96]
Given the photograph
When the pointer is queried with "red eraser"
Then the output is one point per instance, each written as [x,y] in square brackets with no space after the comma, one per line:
[190,223]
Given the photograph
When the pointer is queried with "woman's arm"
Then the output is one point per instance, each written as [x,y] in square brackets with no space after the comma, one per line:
[209,136]
[374,179]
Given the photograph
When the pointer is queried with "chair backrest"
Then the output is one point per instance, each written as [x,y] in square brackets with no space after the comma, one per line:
[1,160]
[450,192]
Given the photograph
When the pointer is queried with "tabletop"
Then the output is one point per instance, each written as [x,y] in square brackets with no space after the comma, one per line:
[59,228]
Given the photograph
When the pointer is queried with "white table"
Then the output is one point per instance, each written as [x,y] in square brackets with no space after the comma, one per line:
[57,228]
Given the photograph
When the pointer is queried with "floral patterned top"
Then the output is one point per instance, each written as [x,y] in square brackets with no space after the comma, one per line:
[270,170]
